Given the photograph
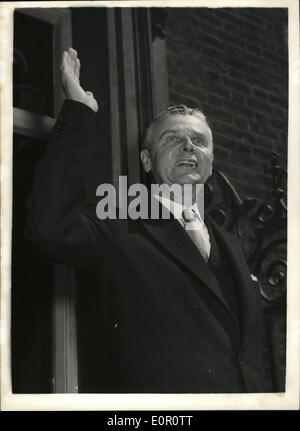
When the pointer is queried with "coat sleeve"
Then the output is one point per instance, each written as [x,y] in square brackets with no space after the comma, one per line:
[57,219]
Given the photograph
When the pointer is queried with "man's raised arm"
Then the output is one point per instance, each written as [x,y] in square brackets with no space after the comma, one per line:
[57,220]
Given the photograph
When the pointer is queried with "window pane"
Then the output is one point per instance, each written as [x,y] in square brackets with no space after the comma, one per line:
[33,64]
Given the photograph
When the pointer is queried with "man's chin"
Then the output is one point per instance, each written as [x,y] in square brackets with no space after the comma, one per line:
[189,179]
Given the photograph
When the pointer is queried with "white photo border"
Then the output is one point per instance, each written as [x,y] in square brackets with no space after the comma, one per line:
[289,400]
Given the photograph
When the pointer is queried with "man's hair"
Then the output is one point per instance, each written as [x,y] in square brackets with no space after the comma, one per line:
[171,110]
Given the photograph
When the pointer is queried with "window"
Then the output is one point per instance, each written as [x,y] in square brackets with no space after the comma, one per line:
[125,67]
[41,314]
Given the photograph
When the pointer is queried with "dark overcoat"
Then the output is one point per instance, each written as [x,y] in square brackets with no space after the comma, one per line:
[163,323]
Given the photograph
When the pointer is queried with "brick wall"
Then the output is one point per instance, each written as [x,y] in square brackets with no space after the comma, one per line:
[232,63]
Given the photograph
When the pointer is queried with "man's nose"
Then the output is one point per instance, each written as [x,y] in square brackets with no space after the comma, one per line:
[187,144]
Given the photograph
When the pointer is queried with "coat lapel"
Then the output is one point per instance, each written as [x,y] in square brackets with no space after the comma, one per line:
[173,238]
[240,272]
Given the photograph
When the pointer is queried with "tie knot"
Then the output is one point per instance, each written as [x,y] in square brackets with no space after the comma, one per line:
[188,215]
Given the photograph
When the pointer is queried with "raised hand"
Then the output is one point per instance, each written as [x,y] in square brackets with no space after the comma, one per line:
[70,73]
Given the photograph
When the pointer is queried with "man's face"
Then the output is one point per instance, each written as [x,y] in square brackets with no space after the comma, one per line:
[182,151]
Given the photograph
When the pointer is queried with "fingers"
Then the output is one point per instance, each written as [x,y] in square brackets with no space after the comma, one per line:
[77,68]
[64,60]
[70,58]
[70,68]
[70,64]
[72,53]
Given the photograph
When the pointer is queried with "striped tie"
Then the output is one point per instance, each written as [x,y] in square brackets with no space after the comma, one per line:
[189,217]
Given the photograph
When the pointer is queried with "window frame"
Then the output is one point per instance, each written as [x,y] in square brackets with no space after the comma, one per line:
[138,90]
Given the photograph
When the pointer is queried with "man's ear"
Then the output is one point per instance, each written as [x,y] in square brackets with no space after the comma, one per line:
[145,158]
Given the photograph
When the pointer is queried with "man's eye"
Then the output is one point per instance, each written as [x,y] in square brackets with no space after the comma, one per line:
[172,139]
[198,141]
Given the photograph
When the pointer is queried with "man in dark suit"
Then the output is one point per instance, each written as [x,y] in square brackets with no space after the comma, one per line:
[177,309]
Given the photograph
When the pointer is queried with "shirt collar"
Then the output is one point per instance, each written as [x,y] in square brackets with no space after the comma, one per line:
[176,208]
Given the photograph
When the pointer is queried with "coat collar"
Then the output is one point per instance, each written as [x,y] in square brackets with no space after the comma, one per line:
[245,290]
[173,238]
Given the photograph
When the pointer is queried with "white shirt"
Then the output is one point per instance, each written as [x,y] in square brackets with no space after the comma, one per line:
[176,209]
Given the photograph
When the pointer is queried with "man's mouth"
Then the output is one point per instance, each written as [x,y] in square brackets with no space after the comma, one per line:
[187,163]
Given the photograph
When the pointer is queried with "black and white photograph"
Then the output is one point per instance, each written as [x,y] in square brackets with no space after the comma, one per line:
[147,239]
